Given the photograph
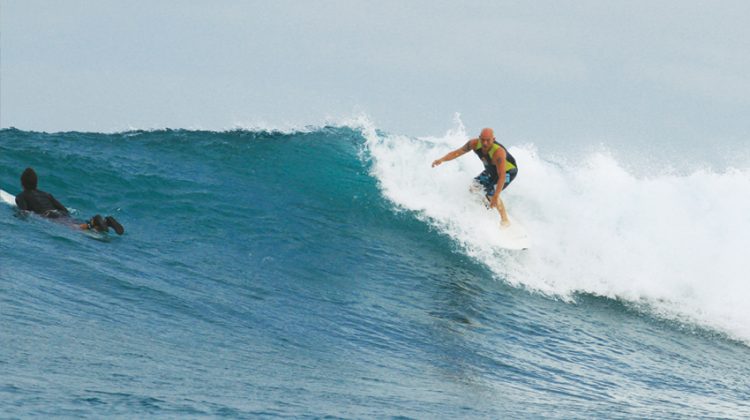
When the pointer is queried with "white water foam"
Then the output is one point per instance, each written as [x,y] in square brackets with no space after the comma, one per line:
[675,245]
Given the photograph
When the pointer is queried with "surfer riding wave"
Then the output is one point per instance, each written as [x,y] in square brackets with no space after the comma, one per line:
[500,168]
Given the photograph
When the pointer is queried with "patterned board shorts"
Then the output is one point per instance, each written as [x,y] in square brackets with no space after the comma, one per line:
[488,180]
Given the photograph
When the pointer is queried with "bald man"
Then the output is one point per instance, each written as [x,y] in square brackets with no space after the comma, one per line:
[499,168]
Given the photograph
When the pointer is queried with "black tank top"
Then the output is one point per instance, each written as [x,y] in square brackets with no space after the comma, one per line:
[487,158]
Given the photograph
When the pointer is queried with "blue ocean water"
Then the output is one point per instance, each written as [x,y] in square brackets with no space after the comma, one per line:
[331,272]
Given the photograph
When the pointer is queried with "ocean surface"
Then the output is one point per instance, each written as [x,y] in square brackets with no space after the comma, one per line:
[331,272]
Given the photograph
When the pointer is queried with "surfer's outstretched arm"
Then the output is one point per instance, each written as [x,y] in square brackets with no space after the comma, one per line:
[454,154]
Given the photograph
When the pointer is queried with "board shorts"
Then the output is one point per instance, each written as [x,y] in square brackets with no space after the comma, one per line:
[488,180]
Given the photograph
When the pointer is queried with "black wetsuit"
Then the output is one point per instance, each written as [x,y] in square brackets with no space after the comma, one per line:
[45,205]
[41,203]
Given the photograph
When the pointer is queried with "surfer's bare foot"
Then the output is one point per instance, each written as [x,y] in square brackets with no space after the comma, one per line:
[505,223]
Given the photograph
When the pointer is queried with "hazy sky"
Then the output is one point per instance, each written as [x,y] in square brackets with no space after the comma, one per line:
[578,70]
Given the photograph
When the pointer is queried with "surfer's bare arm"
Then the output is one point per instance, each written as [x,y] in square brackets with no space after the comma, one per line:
[456,153]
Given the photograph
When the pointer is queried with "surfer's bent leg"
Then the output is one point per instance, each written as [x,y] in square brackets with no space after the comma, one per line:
[488,181]
[102,224]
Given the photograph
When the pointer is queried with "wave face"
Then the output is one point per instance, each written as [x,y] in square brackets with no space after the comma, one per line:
[331,271]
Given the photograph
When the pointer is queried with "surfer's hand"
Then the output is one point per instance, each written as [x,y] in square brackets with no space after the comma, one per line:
[493,202]
[437,162]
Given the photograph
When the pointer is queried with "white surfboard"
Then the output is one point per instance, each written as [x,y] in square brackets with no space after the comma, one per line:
[512,237]
[7,198]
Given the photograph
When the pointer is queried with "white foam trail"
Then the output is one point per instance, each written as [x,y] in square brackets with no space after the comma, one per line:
[676,244]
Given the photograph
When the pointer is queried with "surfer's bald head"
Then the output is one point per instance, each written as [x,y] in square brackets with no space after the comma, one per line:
[487,137]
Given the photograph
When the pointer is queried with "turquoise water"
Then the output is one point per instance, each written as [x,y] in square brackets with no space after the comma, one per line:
[329,272]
